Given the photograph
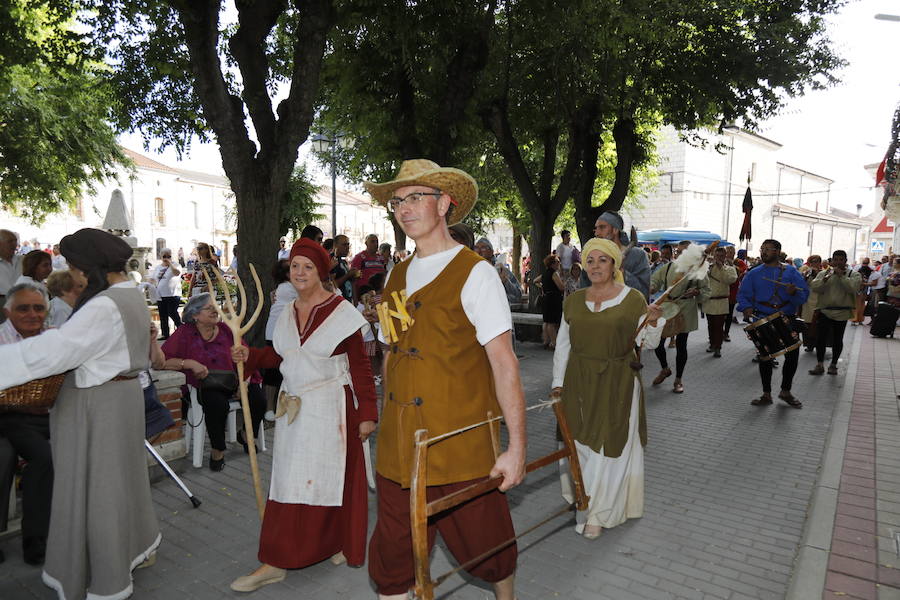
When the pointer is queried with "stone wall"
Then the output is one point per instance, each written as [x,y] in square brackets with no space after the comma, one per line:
[170,443]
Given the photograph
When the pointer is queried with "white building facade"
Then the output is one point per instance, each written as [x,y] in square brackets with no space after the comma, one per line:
[168,207]
[703,186]
[176,208]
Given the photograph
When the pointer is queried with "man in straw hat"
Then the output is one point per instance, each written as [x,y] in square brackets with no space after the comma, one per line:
[449,362]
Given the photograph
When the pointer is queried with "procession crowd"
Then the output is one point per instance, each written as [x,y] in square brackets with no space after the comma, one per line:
[428,330]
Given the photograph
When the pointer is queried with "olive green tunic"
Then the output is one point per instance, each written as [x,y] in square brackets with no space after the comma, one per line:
[599,380]
[665,276]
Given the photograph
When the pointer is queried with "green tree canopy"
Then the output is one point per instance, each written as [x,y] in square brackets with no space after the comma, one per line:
[55,139]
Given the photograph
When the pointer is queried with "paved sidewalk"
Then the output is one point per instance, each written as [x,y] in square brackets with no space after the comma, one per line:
[854,528]
[728,490]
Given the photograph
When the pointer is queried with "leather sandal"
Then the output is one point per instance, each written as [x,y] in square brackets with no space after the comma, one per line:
[662,376]
[789,399]
[763,400]
[251,583]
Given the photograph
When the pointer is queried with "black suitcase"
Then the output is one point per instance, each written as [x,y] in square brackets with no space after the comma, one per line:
[884,321]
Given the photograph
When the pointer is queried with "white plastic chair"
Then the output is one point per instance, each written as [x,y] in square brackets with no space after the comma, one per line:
[195,428]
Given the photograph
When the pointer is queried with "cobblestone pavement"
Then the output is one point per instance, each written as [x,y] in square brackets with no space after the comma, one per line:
[728,487]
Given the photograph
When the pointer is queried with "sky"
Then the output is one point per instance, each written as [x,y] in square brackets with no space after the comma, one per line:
[832,132]
[835,132]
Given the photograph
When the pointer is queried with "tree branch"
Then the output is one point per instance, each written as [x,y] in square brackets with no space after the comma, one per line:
[467,64]
[548,169]
[256,18]
[223,112]
[496,120]
[296,111]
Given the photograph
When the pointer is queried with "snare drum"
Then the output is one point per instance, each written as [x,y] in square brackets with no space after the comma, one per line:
[773,336]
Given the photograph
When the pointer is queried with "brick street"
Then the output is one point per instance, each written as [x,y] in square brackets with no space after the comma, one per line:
[728,490]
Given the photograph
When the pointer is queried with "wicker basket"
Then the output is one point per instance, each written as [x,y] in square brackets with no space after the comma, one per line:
[37,395]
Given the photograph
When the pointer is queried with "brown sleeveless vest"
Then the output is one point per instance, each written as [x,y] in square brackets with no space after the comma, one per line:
[438,378]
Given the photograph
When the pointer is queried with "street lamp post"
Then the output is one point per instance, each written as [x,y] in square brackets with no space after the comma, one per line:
[323,145]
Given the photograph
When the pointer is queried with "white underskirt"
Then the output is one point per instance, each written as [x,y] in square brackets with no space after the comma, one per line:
[615,485]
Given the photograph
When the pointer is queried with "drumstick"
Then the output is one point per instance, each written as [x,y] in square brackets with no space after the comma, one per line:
[778,282]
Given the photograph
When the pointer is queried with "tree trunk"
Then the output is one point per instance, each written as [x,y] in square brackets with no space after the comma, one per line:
[626,154]
[539,247]
[257,228]
[517,253]
[399,234]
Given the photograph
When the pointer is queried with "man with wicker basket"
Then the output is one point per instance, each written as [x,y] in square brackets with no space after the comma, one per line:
[27,434]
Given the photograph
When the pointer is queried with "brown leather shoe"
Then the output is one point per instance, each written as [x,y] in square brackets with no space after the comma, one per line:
[763,400]
[789,399]
[662,376]
[817,370]
[832,370]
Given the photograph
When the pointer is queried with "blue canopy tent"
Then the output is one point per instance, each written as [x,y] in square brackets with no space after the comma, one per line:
[658,237]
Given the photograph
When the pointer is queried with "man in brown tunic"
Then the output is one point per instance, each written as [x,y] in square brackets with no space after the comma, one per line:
[449,361]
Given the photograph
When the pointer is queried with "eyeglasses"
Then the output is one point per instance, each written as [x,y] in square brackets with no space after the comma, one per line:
[167,256]
[413,199]
[24,308]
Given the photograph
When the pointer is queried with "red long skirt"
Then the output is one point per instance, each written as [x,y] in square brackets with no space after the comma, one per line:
[294,536]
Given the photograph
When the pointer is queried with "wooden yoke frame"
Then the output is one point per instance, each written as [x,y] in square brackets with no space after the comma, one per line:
[421,509]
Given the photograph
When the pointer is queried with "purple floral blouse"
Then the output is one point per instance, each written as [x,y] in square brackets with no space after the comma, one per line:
[187,343]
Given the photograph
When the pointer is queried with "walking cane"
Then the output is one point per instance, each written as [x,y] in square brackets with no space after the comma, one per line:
[159,459]
[233,320]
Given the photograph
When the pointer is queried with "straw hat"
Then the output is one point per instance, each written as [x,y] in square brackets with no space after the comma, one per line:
[457,184]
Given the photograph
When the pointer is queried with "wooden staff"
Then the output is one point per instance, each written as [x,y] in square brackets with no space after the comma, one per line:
[233,320]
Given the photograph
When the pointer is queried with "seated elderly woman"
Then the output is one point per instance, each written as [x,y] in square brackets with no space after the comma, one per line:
[203,345]
[64,291]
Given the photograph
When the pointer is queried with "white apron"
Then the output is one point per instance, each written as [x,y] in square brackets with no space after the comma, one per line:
[310,454]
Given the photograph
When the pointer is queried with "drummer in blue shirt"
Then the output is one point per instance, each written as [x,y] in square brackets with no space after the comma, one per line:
[760,296]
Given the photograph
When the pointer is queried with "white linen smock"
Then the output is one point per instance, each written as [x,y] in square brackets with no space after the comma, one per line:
[310,454]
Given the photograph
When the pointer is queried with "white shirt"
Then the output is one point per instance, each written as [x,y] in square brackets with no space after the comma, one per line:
[649,336]
[284,295]
[9,272]
[168,284]
[92,342]
[8,333]
[564,252]
[877,280]
[59,312]
[59,262]
[284,254]
[482,295]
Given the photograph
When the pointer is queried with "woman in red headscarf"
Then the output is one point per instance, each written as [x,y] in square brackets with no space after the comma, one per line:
[318,498]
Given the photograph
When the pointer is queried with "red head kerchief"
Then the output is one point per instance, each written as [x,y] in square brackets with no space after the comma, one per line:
[314,252]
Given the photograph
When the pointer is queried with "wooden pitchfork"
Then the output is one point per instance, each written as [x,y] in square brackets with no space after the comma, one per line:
[421,509]
[233,320]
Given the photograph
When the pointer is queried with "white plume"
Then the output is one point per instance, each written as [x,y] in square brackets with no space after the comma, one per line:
[693,262]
